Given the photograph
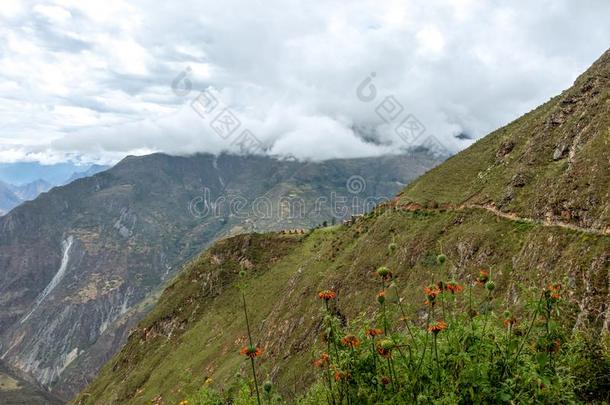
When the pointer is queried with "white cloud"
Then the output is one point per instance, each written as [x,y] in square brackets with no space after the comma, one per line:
[11,8]
[431,42]
[92,80]
[55,14]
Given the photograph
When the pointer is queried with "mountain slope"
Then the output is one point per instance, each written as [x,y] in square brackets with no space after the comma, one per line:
[8,198]
[81,264]
[550,164]
[498,204]
[15,390]
[196,330]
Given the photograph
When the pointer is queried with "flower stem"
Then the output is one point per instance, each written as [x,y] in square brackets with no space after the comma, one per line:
[258,398]
[438,370]
[243,298]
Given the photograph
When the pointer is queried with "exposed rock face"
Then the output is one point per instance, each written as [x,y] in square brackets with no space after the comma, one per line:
[80,265]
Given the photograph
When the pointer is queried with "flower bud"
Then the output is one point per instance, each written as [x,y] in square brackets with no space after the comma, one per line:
[441,259]
[383,271]
[386,344]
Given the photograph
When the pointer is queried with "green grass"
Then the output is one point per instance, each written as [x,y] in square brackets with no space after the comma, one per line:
[198,328]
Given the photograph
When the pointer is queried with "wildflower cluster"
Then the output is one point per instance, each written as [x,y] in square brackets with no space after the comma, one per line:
[412,359]
[455,340]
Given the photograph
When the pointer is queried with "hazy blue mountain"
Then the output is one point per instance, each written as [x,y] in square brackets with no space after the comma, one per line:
[11,195]
[93,169]
[21,173]
[13,191]
[30,191]
[8,198]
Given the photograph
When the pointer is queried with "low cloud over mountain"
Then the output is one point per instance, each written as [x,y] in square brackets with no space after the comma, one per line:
[92,81]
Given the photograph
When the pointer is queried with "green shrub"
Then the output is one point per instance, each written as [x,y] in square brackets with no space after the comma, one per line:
[457,349]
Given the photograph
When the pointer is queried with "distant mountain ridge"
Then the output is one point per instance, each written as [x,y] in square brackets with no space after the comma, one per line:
[93,169]
[8,198]
[19,173]
[32,190]
[12,195]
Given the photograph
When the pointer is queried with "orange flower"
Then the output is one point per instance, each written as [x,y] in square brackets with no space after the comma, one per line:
[510,321]
[383,352]
[373,332]
[323,361]
[342,376]
[453,287]
[436,327]
[553,291]
[381,297]
[327,295]
[350,341]
[432,292]
[483,277]
[251,351]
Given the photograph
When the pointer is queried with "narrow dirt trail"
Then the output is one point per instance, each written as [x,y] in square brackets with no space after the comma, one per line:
[514,217]
[508,215]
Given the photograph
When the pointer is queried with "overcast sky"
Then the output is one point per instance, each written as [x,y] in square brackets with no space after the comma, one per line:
[91,80]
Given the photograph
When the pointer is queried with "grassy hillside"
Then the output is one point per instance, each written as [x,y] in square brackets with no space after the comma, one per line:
[196,331]
[530,202]
[552,163]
